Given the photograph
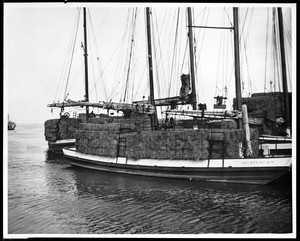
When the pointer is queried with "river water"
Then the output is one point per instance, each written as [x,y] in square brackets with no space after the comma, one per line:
[48,196]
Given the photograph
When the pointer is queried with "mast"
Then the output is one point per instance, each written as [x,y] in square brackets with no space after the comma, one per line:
[154,122]
[237,65]
[283,66]
[86,63]
[191,46]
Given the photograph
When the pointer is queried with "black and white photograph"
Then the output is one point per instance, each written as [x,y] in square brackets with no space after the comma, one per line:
[149,120]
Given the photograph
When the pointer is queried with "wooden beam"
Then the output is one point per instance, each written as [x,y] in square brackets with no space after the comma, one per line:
[167,101]
[140,108]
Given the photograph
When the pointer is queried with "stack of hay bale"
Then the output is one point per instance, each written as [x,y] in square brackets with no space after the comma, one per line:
[188,144]
[101,139]
[104,139]
[51,130]
[59,129]
[177,144]
[267,107]
[260,104]
[142,122]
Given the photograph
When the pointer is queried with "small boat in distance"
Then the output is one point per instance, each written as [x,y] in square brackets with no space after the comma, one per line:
[11,125]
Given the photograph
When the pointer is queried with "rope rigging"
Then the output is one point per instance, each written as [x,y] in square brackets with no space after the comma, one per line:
[91,44]
[266,55]
[155,58]
[225,41]
[69,59]
[159,61]
[245,35]
[174,53]
[118,72]
[203,22]
[93,70]
[131,52]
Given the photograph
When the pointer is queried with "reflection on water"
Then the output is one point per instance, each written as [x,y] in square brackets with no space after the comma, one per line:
[152,205]
[51,197]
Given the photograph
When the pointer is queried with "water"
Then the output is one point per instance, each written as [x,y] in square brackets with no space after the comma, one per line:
[48,196]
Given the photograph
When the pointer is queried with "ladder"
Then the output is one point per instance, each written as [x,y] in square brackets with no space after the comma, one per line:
[212,143]
[121,148]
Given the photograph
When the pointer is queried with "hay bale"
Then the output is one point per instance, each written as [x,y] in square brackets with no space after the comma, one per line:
[51,130]
[109,127]
[217,136]
[50,122]
[228,124]
[97,120]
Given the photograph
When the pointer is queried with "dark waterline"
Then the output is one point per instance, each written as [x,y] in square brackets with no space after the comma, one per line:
[48,196]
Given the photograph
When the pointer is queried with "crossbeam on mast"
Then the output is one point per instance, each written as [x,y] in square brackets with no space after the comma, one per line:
[211,27]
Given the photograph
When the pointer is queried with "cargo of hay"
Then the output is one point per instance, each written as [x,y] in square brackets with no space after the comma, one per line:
[174,145]
[96,142]
[142,122]
[183,144]
[63,128]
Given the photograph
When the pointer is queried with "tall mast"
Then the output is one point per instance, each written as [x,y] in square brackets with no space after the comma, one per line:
[283,66]
[154,122]
[86,62]
[237,64]
[191,46]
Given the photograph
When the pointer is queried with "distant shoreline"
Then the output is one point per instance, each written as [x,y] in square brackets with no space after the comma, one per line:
[29,123]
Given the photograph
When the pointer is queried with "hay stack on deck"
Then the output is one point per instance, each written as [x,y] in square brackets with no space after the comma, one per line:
[266,112]
[127,138]
[60,129]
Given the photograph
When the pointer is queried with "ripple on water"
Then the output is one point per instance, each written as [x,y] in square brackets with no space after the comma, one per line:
[50,196]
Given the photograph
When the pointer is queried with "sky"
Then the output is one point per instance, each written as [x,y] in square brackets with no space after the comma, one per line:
[37,38]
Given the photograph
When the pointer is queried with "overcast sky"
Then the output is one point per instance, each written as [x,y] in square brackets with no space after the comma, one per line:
[37,36]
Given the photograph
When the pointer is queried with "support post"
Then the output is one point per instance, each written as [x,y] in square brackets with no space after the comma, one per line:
[247,131]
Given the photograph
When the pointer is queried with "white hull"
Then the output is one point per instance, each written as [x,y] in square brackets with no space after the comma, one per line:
[241,170]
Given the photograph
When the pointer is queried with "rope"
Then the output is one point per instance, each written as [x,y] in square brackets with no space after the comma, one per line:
[245,45]
[185,53]
[72,55]
[175,52]
[93,69]
[203,23]
[117,78]
[266,56]
[64,68]
[130,52]
[97,52]
[160,61]
[157,83]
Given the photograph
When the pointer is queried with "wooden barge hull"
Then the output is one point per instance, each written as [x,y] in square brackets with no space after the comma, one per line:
[217,171]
